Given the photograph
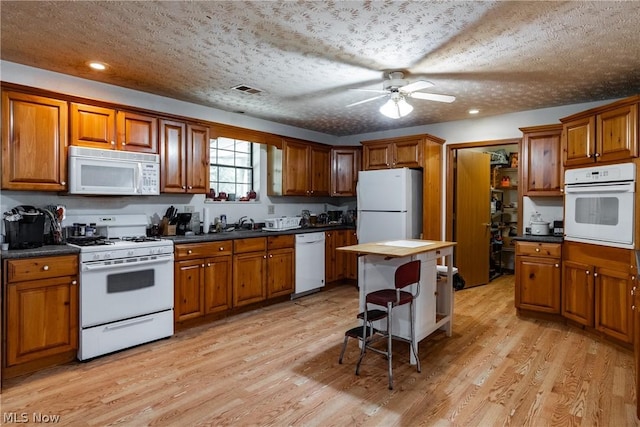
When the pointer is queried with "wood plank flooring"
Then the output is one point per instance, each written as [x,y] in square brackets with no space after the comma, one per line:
[279,366]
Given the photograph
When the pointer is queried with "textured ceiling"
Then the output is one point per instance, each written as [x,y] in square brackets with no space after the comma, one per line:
[304,56]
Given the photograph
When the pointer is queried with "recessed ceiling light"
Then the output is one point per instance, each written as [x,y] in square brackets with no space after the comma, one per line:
[97,65]
[474,111]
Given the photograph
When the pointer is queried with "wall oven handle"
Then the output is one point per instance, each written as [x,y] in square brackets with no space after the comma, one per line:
[627,187]
[133,322]
[112,266]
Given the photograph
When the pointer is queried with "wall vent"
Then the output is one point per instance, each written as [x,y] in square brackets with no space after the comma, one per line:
[247,89]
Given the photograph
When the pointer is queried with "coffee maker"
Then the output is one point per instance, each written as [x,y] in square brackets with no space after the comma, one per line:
[184,223]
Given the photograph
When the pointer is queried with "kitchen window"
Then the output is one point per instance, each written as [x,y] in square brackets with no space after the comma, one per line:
[231,166]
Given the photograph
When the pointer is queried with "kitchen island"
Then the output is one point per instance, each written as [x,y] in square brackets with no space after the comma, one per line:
[377,264]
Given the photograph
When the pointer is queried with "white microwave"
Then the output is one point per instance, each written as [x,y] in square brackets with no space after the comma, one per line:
[95,171]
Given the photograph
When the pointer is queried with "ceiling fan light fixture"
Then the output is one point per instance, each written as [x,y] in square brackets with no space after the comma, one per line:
[396,107]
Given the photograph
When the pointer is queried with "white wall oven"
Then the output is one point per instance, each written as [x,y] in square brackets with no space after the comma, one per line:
[600,205]
[126,285]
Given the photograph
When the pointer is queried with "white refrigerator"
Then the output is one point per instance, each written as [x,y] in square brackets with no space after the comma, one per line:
[389,205]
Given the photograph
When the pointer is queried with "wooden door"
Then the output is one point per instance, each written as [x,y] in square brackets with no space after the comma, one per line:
[188,298]
[617,133]
[137,132]
[345,165]
[578,292]
[218,284]
[280,272]
[472,216]
[407,154]
[613,314]
[34,142]
[172,156]
[197,159]
[93,126]
[376,156]
[296,168]
[42,318]
[249,278]
[538,284]
[320,168]
[578,141]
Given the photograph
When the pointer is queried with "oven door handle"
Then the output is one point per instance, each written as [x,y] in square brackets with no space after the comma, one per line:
[101,266]
[602,188]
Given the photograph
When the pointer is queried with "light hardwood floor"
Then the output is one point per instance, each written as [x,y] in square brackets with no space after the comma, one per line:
[279,366]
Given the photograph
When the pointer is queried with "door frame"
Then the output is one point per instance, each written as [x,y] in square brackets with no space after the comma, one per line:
[450,179]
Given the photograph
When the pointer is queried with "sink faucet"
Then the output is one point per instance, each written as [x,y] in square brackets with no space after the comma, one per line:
[241,221]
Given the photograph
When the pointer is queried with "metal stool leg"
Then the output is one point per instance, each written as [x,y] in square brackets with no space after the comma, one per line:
[414,346]
[389,348]
[344,347]
[363,348]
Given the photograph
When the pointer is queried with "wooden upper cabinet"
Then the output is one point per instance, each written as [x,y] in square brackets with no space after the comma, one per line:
[184,157]
[393,153]
[604,134]
[541,164]
[34,142]
[299,168]
[345,165]
[100,127]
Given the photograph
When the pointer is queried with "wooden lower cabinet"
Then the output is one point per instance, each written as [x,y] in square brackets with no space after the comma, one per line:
[538,277]
[340,265]
[597,288]
[202,276]
[351,259]
[249,271]
[40,312]
[281,267]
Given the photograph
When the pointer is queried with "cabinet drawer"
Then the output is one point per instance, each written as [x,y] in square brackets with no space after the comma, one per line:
[41,268]
[200,250]
[539,249]
[280,242]
[255,244]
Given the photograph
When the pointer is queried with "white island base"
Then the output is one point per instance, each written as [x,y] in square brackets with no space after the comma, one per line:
[377,264]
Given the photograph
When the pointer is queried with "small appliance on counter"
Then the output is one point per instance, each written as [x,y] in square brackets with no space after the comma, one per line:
[184,223]
[24,227]
[538,226]
[558,228]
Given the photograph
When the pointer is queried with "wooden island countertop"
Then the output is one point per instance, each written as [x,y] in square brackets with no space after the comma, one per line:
[397,248]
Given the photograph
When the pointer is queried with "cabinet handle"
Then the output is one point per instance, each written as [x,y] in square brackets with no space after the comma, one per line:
[208,264]
[184,187]
[113,143]
[221,248]
[64,183]
[595,274]
[264,256]
[633,290]
[586,272]
[633,307]
[202,265]
[557,265]
[74,282]
[190,187]
[596,155]
[270,256]
[45,268]
[124,143]
[189,252]
[537,249]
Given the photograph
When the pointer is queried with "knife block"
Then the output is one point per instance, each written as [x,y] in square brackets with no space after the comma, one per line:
[167,229]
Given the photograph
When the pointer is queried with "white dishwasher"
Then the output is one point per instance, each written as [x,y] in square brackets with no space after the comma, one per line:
[309,263]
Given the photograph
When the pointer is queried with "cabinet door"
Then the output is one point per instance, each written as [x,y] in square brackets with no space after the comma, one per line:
[42,318]
[320,166]
[172,156]
[197,157]
[249,278]
[137,132]
[578,140]
[376,156]
[617,134]
[538,284]
[296,169]
[218,284]
[407,154]
[34,142]
[340,239]
[352,258]
[543,165]
[93,126]
[188,298]
[578,292]
[329,257]
[280,272]
[345,165]
[613,304]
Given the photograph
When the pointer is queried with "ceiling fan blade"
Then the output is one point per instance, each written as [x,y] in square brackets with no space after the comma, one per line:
[415,86]
[371,90]
[432,97]
[367,100]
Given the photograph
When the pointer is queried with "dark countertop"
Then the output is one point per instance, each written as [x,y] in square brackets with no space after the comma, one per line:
[55,250]
[540,239]
[245,234]
[46,250]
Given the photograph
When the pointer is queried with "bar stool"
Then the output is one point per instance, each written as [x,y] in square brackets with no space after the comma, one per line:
[405,275]
[358,331]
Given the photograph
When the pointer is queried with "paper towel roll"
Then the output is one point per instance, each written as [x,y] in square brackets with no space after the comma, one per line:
[206,221]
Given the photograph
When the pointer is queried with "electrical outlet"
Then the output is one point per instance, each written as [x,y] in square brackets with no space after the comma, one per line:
[271,209]
[188,208]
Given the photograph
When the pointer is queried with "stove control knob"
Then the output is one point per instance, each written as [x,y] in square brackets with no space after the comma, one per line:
[130,253]
[96,256]
[107,255]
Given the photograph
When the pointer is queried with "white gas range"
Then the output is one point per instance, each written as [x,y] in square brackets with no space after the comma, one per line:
[126,284]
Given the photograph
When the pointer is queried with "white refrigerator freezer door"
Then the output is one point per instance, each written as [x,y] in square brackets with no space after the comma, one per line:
[383,190]
[382,226]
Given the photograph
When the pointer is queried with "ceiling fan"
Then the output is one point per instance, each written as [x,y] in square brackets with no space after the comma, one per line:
[397,88]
